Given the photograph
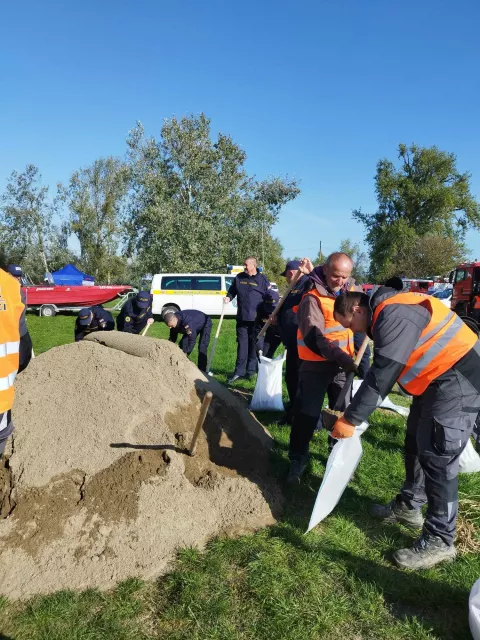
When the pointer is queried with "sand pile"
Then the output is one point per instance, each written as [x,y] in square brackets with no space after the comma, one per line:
[97,487]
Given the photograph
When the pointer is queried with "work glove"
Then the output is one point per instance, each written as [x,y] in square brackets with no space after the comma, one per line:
[343,429]
[348,367]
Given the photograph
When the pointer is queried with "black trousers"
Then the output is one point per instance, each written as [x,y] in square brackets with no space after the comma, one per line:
[292,364]
[203,342]
[314,382]
[440,423]
[246,353]
[270,342]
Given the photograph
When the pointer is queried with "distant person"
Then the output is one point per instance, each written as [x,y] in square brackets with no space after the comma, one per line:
[16,345]
[136,313]
[16,271]
[250,288]
[191,323]
[93,319]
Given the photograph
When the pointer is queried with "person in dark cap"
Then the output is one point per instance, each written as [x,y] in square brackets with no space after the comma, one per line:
[271,340]
[287,326]
[191,323]
[136,313]
[16,271]
[92,319]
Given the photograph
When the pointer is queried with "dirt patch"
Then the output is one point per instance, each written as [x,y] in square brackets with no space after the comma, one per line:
[99,486]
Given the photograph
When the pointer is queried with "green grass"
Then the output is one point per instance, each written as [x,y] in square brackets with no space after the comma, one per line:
[335,583]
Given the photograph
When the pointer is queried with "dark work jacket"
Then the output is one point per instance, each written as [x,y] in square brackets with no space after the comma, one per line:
[102,321]
[190,323]
[287,318]
[132,319]
[250,292]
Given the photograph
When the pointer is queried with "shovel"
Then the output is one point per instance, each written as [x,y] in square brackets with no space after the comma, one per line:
[144,332]
[330,416]
[274,313]
[217,333]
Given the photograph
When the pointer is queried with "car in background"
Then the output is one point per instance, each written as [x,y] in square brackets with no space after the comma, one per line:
[274,286]
[444,295]
[201,291]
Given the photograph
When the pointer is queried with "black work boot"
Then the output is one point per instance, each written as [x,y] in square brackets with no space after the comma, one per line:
[426,552]
[398,511]
[297,469]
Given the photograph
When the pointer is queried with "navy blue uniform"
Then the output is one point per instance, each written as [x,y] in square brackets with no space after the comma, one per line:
[250,292]
[288,324]
[192,323]
[133,319]
[102,321]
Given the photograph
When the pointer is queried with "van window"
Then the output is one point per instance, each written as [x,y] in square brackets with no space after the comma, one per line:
[207,283]
[177,283]
[228,282]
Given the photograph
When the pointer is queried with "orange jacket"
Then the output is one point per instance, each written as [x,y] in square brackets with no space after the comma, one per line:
[476,302]
[443,342]
[333,332]
[11,308]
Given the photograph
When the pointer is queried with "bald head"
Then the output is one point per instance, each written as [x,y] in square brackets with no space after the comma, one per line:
[338,269]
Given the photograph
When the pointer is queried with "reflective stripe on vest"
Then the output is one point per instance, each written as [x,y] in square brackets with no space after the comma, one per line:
[7,382]
[336,335]
[443,342]
[8,348]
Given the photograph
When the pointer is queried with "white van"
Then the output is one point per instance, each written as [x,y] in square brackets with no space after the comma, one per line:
[201,291]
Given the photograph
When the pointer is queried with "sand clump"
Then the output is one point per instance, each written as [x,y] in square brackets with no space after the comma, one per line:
[97,487]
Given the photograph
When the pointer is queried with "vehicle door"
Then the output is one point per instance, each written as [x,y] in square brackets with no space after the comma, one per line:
[207,296]
[178,291]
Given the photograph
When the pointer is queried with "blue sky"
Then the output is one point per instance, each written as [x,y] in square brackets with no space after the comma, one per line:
[314,89]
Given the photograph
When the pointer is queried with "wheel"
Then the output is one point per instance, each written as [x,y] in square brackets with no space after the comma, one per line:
[471,324]
[169,308]
[48,311]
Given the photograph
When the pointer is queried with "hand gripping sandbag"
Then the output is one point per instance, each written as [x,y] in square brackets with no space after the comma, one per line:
[341,466]
[474,611]
[268,390]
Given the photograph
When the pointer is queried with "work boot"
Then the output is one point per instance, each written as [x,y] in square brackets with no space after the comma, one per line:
[426,552]
[297,469]
[398,511]
[234,378]
[285,420]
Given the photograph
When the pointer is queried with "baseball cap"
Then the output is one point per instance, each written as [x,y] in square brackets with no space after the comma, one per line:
[292,265]
[84,316]
[15,270]
[143,299]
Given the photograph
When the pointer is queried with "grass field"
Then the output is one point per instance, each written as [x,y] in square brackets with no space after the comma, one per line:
[336,583]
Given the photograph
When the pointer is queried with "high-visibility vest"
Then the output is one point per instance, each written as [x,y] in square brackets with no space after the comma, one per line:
[443,342]
[11,308]
[333,331]
[476,302]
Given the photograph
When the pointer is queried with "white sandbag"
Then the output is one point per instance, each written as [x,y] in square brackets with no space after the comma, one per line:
[386,402]
[268,390]
[341,466]
[474,611]
[469,459]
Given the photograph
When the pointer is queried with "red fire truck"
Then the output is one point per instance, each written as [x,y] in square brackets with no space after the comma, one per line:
[466,286]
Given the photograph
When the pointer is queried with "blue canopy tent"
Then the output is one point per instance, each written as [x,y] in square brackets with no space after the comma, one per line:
[71,276]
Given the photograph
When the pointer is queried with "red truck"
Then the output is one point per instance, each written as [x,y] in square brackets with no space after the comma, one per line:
[465,279]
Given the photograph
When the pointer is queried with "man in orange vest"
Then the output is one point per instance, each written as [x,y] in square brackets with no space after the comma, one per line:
[15,349]
[435,357]
[325,350]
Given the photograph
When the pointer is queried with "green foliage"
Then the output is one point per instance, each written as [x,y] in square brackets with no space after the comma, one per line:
[359,257]
[425,195]
[95,196]
[193,206]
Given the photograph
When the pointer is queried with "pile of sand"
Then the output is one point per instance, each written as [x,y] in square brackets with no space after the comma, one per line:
[97,486]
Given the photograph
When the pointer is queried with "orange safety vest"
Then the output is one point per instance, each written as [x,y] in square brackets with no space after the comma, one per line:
[443,342]
[11,308]
[333,331]
[476,303]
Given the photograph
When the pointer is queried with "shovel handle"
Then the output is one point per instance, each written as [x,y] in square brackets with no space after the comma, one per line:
[274,313]
[201,419]
[217,333]
[144,332]
[351,375]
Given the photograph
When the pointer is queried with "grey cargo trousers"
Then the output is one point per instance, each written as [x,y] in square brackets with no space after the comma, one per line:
[440,422]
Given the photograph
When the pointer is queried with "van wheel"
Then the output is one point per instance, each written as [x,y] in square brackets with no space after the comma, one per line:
[170,308]
[48,311]
[471,324]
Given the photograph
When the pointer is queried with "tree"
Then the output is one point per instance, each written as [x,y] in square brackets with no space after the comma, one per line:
[95,196]
[193,206]
[426,195]
[359,257]
[27,233]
